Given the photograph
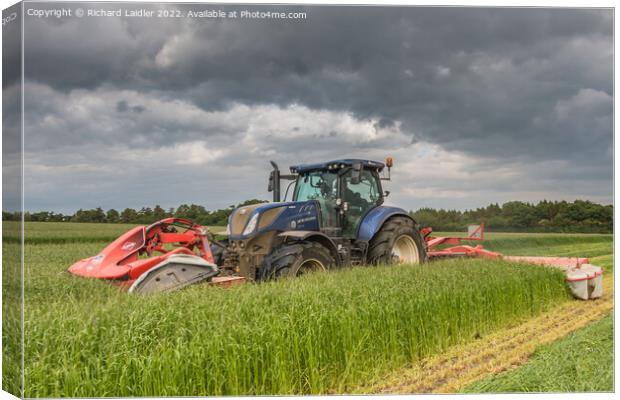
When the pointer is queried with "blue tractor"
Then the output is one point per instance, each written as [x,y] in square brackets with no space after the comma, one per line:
[336,218]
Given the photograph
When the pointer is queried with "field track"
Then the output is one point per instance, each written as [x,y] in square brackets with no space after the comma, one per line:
[500,351]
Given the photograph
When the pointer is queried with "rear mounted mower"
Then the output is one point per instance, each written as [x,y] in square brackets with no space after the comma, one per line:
[584,279]
[336,218]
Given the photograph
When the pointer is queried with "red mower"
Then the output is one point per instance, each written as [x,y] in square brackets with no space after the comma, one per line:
[167,255]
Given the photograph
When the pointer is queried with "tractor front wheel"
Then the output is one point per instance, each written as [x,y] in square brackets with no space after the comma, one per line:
[296,259]
[397,242]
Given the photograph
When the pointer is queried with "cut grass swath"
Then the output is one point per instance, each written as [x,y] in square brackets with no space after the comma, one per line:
[498,351]
[580,362]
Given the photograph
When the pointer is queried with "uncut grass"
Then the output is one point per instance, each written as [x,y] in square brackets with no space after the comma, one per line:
[318,334]
[11,319]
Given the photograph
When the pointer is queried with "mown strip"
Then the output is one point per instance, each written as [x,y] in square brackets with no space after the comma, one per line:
[581,362]
[504,349]
[317,334]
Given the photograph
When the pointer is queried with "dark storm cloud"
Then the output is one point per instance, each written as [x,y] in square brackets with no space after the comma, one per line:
[11,46]
[472,79]
[11,106]
[512,86]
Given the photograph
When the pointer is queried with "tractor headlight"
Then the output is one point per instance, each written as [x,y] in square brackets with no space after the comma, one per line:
[251,226]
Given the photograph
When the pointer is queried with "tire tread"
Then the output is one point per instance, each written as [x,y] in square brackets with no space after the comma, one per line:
[380,247]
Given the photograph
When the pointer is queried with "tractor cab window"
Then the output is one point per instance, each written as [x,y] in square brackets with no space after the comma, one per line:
[321,186]
[361,197]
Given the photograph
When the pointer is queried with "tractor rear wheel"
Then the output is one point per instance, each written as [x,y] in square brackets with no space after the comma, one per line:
[397,242]
[296,259]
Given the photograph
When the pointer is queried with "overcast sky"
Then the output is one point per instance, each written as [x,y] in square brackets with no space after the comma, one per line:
[475,105]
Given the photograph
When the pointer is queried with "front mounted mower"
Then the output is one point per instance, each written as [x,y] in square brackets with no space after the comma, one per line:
[336,218]
[167,255]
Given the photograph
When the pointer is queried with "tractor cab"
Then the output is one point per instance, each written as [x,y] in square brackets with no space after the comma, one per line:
[345,191]
[335,216]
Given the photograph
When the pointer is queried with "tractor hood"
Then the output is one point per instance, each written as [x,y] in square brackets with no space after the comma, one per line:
[248,221]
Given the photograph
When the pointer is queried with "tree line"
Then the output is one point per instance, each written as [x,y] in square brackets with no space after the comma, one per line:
[579,216]
[545,216]
[145,215]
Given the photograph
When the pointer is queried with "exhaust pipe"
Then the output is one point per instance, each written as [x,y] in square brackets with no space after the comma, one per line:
[274,182]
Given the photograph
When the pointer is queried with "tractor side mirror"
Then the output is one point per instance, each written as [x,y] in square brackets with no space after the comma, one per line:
[356,174]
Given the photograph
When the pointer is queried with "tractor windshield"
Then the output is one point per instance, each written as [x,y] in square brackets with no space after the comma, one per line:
[316,185]
[321,186]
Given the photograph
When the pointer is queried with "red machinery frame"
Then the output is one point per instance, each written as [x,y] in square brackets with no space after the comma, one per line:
[436,246]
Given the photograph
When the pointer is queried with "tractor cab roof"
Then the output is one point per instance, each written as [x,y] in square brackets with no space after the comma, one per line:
[336,164]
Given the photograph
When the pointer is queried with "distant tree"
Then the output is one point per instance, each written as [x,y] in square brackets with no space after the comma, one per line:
[98,215]
[112,216]
[145,215]
[182,211]
[159,213]
[129,215]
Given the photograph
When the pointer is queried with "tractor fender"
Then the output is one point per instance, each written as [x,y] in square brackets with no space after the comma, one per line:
[374,220]
[313,236]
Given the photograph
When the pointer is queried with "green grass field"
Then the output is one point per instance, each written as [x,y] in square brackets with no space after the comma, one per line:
[324,333]
[66,232]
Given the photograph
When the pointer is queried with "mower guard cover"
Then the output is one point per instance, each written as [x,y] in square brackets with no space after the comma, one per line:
[176,247]
[175,272]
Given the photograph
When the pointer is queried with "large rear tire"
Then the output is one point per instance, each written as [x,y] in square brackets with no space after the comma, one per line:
[397,242]
[296,259]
